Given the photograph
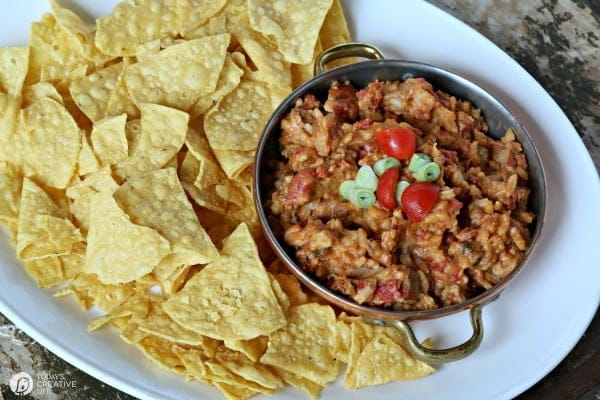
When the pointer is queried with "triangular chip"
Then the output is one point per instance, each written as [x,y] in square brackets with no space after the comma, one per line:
[230,298]
[11,183]
[382,360]
[229,79]
[157,200]
[130,25]
[87,162]
[53,140]
[43,229]
[294,24]
[118,250]
[305,346]
[109,140]
[55,53]
[194,72]
[153,141]
[237,121]
[81,194]
[92,93]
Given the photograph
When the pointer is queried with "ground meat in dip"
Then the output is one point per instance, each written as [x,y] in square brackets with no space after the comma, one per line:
[476,233]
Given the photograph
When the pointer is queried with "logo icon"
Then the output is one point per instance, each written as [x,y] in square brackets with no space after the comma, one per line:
[21,384]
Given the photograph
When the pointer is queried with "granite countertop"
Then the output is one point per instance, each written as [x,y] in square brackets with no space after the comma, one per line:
[558,43]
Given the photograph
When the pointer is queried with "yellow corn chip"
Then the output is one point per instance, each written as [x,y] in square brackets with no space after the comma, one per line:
[119,101]
[234,392]
[291,287]
[194,72]
[11,184]
[13,68]
[157,200]
[313,389]
[133,24]
[237,121]
[305,346]
[230,298]
[80,31]
[234,162]
[295,25]
[158,323]
[87,162]
[119,251]
[43,229]
[272,68]
[53,142]
[335,29]
[160,352]
[81,194]
[92,93]
[38,91]
[382,360]
[55,54]
[229,79]
[154,141]
[241,365]
[109,140]
[251,348]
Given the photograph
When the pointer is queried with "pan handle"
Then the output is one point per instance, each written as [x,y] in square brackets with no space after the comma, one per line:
[346,50]
[437,356]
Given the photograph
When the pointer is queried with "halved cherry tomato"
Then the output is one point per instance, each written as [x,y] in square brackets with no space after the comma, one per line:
[386,188]
[399,143]
[418,199]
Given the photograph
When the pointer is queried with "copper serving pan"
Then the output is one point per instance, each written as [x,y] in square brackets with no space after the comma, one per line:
[360,74]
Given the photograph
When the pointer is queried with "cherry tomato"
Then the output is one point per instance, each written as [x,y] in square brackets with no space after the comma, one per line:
[386,188]
[418,199]
[399,143]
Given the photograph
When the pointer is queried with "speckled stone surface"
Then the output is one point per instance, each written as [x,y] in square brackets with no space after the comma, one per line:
[558,43]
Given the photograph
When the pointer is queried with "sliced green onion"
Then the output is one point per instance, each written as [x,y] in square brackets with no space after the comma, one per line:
[428,172]
[366,178]
[384,164]
[347,187]
[399,190]
[417,161]
[362,197]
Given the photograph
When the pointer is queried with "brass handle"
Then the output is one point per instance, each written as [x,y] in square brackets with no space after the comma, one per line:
[346,50]
[437,356]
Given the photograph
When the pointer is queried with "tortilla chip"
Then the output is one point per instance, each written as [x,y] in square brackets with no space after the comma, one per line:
[133,24]
[157,200]
[153,141]
[305,346]
[51,143]
[38,91]
[229,79]
[381,361]
[13,68]
[194,70]
[161,353]
[311,388]
[109,140]
[43,229]
[11,183]
[295,25]
[251,348]
[87,162]
[230,298]
[81,194]
[335,28]
[92,93]
[119,251]
[54,53]
[237,121]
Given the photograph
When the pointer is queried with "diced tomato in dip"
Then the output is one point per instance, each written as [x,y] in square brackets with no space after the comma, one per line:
[434,251]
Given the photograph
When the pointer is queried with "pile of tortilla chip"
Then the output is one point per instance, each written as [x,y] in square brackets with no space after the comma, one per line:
[126,152]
